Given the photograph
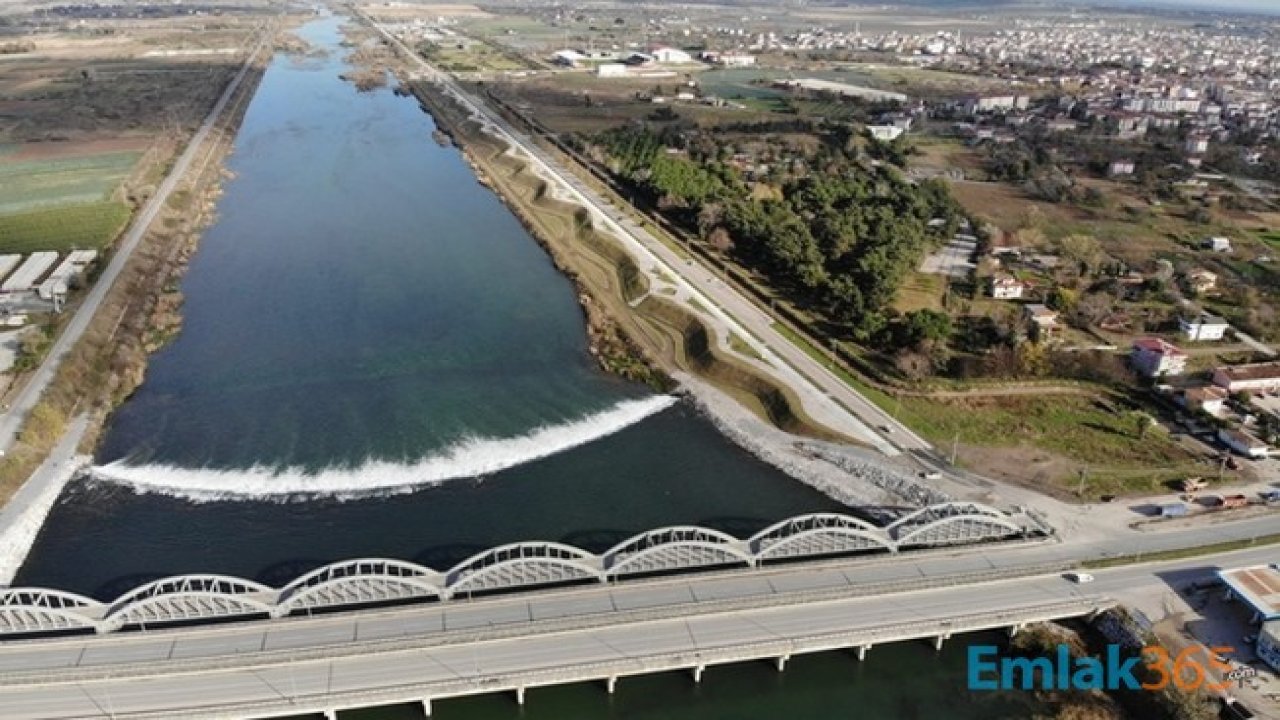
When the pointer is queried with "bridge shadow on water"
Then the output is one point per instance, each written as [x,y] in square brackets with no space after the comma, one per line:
[114,588]
[443,557]
[286,571]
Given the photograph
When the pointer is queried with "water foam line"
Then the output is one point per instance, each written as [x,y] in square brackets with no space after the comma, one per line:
[467,458]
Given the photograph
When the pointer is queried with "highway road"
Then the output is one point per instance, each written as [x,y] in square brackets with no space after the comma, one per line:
[29,396]
[337,661]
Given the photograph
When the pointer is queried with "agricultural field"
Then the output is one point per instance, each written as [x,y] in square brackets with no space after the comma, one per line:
[83,226]
[33,184]
[64,195]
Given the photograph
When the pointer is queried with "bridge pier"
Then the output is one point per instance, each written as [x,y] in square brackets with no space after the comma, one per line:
[781,662]
[937,640]
[697,672]
[520,695]
[1015,629]
[426,707]
[330,715]
[862,652]
[611,684]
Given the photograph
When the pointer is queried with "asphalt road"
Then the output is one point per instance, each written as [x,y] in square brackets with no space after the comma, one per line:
[29,396]
[375,655]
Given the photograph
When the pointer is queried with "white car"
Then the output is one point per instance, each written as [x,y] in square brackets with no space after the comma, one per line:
[1079,577]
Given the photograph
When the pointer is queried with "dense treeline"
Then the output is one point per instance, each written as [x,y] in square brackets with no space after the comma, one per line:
[839,237]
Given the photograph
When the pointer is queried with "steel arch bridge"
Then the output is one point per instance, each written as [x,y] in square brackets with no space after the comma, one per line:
[511,567]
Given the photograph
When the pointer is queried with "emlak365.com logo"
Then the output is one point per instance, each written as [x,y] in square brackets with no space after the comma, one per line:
[1193,668]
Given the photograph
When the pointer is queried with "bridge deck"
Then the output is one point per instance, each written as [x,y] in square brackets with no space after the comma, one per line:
[414,653]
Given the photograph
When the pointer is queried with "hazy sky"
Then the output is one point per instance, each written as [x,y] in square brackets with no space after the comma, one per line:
[1264,6]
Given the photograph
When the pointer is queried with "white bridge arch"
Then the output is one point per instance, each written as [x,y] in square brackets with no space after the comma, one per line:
[675,548]
[511,567]
[363,581]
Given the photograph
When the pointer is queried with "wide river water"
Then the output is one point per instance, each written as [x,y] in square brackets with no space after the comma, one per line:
[377,360]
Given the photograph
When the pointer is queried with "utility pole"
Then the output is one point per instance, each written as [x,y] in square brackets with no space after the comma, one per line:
[955,447]
[1084,473]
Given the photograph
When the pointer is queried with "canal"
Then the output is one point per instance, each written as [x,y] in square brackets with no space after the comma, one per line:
[377,360]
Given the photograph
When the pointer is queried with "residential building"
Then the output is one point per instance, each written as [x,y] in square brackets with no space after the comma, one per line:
[1044,321]
[1210,399]
[1121,167]
[996,103]
[1197,144]
[1154,357]
[1258,587]
[885,133]
[1201,281]
[671,55]
[1268,647]
[1243,443]
[1218,244]
[1007,287]
[1203,327]
[1248,378]
[567,58]
[736,60]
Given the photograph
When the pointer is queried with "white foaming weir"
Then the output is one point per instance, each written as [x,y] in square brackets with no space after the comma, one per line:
[467,458]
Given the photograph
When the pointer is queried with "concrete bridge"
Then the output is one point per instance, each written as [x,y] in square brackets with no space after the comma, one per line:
[512,567]
[514,643]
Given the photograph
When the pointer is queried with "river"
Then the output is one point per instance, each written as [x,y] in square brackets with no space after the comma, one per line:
[377,360]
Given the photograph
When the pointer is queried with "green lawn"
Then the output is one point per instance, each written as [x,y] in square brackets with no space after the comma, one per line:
[1076,427]
[29,185]
[84,226]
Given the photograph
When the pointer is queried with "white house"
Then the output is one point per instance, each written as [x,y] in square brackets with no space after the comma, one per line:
[671,55]
[1218,244]
[1203,327]
[611,70]
[1121,167]
[737,60]
[1246,378]
[885,133]
[1007,287]
[1154,357]
[1210,399]
[1044,321]
[1243,443]
[567,58]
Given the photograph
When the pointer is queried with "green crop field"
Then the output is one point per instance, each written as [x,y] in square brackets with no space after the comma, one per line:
[29,185]
[83,226]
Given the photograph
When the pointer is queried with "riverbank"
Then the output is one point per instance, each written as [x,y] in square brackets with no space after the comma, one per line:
[140,308]
[642,328]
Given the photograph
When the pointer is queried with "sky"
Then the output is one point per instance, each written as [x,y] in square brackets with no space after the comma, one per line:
[1262,6]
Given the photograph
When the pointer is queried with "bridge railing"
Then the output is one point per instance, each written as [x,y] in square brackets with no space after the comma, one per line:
[515,566]
[666,661]
[767,598]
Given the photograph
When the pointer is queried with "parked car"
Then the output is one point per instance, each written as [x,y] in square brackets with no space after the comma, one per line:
[1079,578]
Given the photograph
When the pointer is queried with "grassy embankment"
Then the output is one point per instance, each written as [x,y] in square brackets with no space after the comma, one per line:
[642,342]
[1085,431]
